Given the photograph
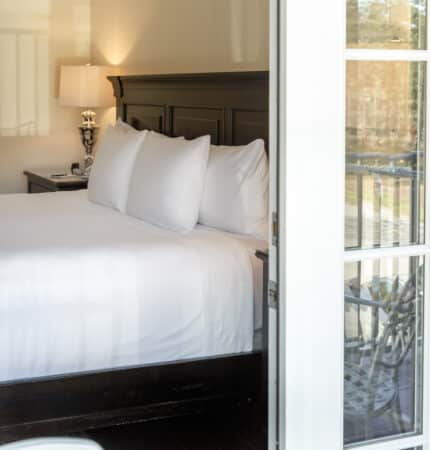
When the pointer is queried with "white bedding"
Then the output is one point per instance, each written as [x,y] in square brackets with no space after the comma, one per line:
[83,287]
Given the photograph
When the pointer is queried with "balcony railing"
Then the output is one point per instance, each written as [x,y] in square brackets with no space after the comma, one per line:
[384,194]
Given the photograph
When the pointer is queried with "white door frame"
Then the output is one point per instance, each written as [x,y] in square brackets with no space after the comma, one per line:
[311,91]
[273,313]
[311,220]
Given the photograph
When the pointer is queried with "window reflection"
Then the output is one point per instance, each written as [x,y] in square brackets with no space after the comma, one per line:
[24,79]
[385,154]
[383,348]
[246,15]
[34,34]
[388,24]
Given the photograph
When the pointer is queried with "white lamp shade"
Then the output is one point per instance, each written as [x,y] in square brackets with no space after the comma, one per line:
[86,86]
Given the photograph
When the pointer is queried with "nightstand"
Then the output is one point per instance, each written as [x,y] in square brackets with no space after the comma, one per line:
[39,181]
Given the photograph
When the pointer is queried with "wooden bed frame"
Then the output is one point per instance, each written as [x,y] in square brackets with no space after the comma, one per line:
[233,109]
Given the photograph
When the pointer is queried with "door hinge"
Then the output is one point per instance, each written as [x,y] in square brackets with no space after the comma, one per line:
[275,229]
[273,295]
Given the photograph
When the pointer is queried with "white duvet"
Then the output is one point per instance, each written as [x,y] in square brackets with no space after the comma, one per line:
[83,288]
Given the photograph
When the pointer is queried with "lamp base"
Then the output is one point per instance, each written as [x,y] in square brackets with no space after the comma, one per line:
[88,138]
[88,118]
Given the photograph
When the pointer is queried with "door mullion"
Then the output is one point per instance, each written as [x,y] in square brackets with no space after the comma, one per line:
[385,55]
[389,252]
[392,444]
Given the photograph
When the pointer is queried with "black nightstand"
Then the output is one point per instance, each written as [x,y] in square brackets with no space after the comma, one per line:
[39,181]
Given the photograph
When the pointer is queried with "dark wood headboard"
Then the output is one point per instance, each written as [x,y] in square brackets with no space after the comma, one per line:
[233,108]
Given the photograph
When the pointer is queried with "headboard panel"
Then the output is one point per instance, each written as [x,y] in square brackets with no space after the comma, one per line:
[233,108]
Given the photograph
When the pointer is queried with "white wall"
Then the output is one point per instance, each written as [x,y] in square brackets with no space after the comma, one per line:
[38,36]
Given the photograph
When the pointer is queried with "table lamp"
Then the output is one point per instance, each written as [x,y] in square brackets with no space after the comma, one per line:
[86,87]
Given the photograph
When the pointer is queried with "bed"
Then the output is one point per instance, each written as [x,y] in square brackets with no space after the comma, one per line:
[78,346]
[140,294]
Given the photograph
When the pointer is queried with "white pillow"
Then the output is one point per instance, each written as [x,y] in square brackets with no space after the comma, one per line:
[126,127]
[110,175]
[236,191]
[167,183]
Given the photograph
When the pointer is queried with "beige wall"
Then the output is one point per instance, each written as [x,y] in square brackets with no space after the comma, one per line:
[175,36]
[179,36]
[48,33]
[139,36]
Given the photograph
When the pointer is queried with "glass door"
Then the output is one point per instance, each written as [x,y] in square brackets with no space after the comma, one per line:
[354,265]
[385,221]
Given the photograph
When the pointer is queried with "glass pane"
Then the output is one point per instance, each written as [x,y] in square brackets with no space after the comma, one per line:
[387,24]
[383,348]
[385,153]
